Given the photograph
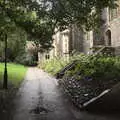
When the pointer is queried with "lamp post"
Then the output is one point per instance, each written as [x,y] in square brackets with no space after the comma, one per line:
[5,81]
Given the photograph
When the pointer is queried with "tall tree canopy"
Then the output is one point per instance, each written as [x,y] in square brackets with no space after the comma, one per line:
[84,13]
[39,18]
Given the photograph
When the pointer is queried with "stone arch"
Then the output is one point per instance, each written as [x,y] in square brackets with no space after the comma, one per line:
[108,37]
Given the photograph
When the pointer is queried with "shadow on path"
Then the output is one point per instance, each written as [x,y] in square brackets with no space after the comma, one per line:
[40,99]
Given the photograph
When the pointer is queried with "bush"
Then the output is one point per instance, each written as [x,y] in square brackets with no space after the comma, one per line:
[88,67]
[97,68]
[52,66]
[91,76]
[26,60]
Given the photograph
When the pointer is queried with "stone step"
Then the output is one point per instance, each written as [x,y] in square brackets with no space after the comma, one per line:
[105,50]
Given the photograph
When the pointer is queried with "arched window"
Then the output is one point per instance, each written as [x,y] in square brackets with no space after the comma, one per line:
[108,37]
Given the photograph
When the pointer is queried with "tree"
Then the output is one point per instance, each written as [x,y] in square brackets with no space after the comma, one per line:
[13,14]
[39,18]
[16,45]
[6,25]
[84,13]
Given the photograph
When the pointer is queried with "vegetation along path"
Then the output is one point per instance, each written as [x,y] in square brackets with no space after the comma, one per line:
[40,99]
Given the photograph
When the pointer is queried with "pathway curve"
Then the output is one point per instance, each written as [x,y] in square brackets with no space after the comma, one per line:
[40,99]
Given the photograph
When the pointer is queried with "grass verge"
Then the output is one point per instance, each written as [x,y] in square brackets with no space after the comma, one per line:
[16,73]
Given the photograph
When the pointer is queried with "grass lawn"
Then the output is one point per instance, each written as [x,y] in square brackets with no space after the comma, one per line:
[16,73]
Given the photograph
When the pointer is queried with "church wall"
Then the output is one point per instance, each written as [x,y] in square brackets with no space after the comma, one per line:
[115,32]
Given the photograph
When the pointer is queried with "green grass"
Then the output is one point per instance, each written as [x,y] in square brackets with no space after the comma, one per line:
[16,73]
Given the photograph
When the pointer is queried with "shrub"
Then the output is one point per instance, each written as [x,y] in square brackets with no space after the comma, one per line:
[53,65]
[87,68]
[97,68]
[26,60]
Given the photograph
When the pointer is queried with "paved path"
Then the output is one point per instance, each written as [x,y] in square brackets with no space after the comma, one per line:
[39,98]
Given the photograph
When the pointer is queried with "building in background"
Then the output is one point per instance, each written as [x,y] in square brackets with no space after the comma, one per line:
[74,39]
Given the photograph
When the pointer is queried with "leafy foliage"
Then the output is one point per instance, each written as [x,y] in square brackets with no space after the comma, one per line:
[26,59]
[52,66]
[16,45]
[91,76]
[40,17]
[84,13]
[97,68]
[24,15]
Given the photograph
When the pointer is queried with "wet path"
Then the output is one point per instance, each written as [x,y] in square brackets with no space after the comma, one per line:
[39,98]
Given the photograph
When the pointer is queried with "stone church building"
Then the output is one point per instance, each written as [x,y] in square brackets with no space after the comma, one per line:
[76,40]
